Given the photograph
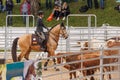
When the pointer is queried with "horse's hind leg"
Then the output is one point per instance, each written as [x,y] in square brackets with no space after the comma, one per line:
[54,60]
[27,54]
[45,65]
[22,54]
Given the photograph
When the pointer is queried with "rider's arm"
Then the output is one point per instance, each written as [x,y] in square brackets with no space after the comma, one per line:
[44,25]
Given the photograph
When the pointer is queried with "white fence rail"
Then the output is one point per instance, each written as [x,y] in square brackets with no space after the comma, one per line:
[76,34]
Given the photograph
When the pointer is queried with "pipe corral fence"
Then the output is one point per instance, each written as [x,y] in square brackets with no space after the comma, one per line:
[8,34]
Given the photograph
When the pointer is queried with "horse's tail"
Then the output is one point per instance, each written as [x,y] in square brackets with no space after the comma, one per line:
[14,49]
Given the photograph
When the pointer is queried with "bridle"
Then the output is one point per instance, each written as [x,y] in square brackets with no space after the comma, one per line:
[54,35]
[63,32]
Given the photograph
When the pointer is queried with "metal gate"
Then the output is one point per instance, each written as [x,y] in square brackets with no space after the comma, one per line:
[81,34]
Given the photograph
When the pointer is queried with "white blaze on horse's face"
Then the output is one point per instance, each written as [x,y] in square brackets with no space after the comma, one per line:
[63,32]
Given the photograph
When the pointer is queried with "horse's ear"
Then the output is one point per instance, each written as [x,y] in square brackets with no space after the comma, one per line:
[62,24]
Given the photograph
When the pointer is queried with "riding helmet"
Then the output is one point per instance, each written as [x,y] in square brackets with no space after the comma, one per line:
[40,12]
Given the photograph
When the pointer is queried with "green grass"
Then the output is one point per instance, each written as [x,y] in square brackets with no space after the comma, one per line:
[107,15]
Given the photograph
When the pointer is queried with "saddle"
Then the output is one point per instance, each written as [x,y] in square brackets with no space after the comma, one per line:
[36,40]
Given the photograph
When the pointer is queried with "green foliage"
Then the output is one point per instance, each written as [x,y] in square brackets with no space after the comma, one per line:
[107,15]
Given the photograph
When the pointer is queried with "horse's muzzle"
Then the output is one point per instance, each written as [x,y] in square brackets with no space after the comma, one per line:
[66,37]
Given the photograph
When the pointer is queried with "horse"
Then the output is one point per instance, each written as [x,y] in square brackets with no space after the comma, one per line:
[25,45]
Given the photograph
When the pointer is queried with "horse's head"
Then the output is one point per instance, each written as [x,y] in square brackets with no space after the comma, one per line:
[63,31]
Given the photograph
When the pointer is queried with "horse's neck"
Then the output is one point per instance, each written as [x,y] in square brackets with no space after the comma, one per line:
[55,34]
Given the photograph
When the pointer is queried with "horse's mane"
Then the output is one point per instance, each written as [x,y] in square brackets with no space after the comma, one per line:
[53,26]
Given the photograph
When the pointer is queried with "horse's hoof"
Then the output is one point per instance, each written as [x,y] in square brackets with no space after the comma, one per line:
[57,69]
[45,69]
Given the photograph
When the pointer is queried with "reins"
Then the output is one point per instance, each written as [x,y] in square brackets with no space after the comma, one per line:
[54,35]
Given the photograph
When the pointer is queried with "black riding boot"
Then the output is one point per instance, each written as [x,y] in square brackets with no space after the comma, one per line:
[43,47]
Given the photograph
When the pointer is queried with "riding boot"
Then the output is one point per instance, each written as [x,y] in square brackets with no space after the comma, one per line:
[42,38]
[41,35]
[43,46]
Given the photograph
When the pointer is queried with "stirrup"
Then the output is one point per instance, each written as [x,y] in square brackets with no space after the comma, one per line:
[43,49]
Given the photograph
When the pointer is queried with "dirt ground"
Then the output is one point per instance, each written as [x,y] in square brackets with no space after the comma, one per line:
[65,76]
[50,73]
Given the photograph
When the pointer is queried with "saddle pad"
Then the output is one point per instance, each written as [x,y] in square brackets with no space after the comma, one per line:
[35,39]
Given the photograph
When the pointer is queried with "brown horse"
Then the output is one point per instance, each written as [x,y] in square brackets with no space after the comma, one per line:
[25,45]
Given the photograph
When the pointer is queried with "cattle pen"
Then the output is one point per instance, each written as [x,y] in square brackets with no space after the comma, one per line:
[76,34]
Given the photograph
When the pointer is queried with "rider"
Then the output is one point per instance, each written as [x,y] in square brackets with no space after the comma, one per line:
[39,30]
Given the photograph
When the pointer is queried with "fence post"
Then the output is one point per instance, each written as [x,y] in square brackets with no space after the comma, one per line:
[27,24]
[89,31]
[119,64]
[101,63]
[89,27]
[105,32]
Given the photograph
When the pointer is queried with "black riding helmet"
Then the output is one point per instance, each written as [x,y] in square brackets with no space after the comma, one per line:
[40,12]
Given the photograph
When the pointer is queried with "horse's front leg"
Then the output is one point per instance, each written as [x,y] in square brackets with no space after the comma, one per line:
[57,69]
[52,53]
[45,65]
[22,54]
[27,54]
